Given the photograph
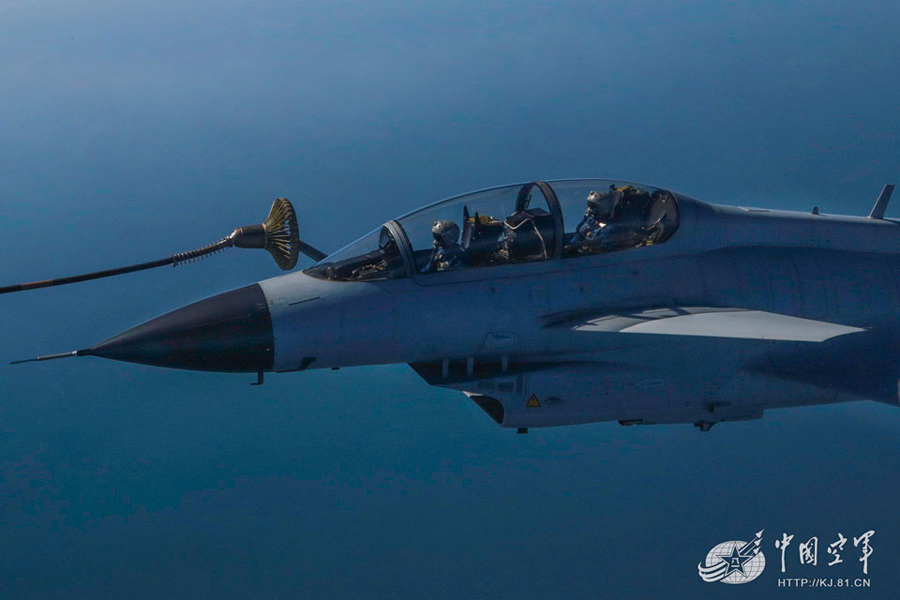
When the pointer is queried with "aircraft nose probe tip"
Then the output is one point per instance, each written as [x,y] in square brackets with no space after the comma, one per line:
[229,332]
[52,357]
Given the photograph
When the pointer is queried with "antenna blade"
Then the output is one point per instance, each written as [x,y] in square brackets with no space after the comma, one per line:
[881,204]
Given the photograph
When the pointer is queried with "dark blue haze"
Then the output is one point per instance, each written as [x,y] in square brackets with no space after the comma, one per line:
[128,132]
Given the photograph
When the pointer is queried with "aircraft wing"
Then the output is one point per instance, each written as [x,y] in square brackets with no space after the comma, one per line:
[706,322]
[642,383]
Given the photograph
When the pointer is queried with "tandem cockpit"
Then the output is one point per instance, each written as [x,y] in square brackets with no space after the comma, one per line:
[514,224]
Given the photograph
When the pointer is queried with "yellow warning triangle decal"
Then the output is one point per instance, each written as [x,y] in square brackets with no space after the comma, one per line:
[533,402]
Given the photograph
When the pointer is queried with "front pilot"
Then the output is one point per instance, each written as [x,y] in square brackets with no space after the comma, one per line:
[446,253]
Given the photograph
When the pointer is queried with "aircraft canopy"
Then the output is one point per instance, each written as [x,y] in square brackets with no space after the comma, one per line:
[529,222]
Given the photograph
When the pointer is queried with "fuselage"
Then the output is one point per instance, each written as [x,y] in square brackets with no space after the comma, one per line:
[837,269]
[812,266]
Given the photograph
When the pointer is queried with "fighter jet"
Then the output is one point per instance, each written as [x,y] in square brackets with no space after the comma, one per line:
[572,301]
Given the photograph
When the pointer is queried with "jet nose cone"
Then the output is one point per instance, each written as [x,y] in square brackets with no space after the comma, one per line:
[231,332]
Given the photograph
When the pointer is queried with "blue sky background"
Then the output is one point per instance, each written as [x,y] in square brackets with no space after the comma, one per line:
[130,132]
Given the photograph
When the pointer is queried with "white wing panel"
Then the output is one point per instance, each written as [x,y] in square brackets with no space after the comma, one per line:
[718,322]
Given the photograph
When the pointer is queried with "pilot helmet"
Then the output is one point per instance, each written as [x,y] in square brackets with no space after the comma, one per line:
[445,232]
[600,203]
